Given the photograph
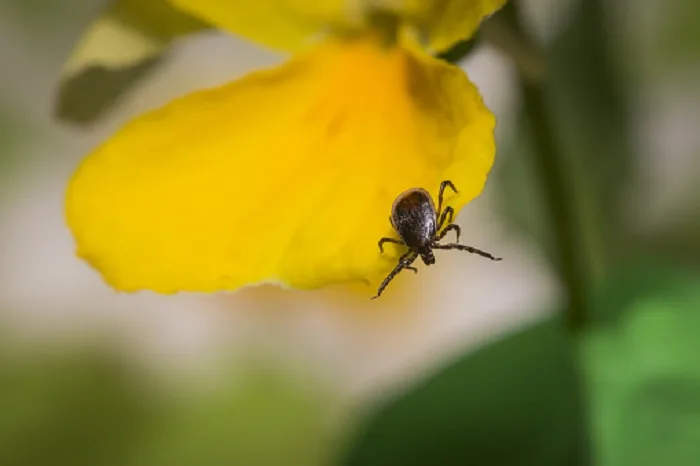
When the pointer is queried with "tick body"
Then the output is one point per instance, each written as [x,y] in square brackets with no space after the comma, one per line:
[420,227]
[414,218]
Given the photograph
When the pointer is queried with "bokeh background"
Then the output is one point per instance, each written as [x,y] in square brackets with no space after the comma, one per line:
[581,347]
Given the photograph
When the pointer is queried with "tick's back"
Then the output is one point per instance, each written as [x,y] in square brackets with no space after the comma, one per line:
[414,218]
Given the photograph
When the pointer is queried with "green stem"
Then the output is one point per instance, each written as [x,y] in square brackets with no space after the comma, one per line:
[560,203]
[558,193]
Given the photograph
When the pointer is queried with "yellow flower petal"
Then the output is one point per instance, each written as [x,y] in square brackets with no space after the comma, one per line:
[445,22]
[287,175]
[280,24]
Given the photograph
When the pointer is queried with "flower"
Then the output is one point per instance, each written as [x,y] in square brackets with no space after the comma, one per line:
[288,174]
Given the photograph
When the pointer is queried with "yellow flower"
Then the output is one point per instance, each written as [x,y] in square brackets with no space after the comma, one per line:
[288,175]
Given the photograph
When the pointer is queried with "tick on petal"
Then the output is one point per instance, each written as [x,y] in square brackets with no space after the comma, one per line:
[420,227]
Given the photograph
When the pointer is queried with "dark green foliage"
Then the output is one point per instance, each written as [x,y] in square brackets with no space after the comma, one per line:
[82,408]
[515,402]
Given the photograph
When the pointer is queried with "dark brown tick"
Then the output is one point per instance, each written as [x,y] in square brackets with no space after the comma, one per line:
[420,227]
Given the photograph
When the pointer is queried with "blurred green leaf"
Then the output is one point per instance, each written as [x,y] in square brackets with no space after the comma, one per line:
[120,47]
[88,95]
[588,108]
[263,419]
[82,408]
[643,369]
[515,402]
[677,46]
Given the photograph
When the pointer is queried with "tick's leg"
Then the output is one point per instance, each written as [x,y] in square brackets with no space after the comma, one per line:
[449,227]
[405,263]
[449,212]
[405,256]
[387,240]
[441,194]
[463,247]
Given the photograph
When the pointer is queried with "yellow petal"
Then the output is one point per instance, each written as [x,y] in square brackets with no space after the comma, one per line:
[287,175]
[444,22]
[280,24]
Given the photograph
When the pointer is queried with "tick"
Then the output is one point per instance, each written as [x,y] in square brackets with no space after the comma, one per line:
[420,228]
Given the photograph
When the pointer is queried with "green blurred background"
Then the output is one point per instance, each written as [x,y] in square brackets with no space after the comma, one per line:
[582,348]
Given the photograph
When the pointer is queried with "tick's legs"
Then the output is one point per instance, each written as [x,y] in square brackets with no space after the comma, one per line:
[449,211]
[443,185]
[449,227]
[404,257]
[463,247]
[413,269]
[387,240]
[404,263]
